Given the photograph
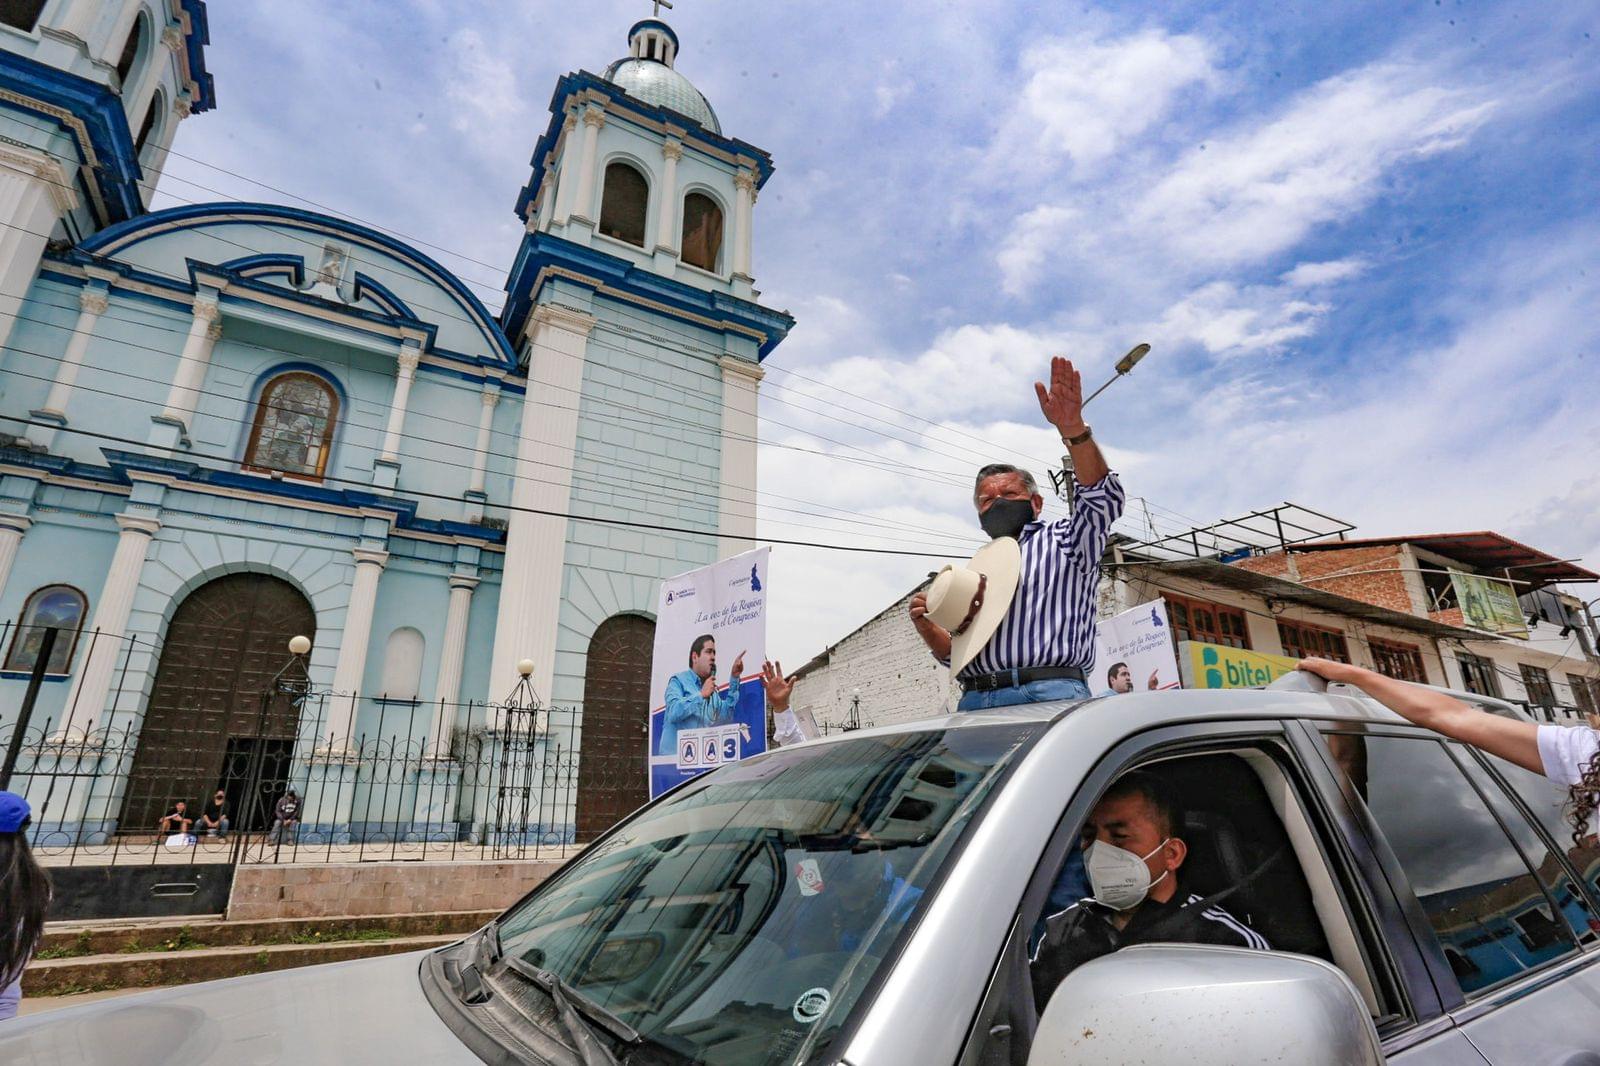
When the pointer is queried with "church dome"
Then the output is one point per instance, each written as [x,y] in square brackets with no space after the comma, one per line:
[647,74]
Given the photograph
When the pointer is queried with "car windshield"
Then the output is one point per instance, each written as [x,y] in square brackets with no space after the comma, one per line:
[740,919]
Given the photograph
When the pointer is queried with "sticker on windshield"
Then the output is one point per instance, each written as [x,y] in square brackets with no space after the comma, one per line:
[808,875]
[811,1004]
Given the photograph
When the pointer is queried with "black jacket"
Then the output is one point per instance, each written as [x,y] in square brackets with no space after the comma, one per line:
[1084,931]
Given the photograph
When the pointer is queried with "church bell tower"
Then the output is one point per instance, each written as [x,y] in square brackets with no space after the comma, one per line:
[633,307]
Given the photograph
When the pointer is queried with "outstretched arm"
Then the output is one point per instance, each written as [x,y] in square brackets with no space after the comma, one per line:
[1508,738]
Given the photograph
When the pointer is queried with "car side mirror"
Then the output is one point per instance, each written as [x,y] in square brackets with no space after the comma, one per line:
[1204,1005]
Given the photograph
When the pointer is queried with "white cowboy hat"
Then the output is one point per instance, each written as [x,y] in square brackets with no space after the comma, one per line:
[970,601]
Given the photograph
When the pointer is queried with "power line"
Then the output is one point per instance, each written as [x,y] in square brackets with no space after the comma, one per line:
[595,484]
[421,494]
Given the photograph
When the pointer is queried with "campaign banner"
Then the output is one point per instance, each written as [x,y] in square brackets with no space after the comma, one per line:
[1490,604]
[1134,652]
[702,715]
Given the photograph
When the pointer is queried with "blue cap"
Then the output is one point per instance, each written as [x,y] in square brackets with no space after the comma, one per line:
[13,812]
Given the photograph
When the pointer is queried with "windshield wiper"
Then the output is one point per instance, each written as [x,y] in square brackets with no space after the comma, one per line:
[579,1016]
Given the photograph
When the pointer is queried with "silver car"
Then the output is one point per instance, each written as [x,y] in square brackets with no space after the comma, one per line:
[870,899]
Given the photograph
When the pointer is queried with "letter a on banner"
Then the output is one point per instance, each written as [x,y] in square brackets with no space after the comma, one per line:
[701,715]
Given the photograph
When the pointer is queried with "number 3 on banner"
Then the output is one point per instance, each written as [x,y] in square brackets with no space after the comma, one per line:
[730,749]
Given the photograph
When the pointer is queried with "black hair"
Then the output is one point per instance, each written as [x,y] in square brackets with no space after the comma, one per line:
[24,899]
[1154,791]
[1111,673]
[994,469]
[699,642]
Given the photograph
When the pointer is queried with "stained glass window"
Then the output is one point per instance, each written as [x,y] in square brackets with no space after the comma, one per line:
[60,607]
[294,426]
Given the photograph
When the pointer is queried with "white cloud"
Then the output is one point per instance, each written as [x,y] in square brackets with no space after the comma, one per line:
[1085,98]
[1307,275]
[482,88]
[1231,321]
[1259,190]
[1029,245]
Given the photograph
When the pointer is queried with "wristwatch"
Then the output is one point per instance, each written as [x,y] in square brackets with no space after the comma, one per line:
[1082,438]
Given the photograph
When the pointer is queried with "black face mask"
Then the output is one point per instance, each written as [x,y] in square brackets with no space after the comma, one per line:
[1005,518]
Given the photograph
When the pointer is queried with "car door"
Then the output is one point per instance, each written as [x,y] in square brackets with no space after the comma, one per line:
[1504,925]
[1365,933]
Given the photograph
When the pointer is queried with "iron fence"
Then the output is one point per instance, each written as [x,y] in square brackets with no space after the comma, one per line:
[372,777]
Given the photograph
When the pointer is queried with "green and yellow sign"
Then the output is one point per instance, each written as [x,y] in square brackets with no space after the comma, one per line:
[1490,604]
[1218,666]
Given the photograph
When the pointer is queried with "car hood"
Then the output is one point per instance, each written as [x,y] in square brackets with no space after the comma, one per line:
[370,1010]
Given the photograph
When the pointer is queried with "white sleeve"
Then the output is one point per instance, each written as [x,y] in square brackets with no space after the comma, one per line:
[786,729]
[1566,751]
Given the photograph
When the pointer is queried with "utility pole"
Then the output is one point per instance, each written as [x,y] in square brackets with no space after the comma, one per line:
[41,664]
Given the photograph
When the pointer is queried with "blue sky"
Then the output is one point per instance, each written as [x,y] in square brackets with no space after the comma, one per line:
[1361,238]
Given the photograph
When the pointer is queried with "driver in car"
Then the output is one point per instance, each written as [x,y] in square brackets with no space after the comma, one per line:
[1133,857]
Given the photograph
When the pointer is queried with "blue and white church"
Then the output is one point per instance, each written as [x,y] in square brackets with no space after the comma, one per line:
[223,425]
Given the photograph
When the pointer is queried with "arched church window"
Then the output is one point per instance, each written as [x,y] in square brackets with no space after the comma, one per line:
[59,607]
[130,50]
[402,665]
[624,203]
[23,14]
[152,113]
[702,231]
[293,427]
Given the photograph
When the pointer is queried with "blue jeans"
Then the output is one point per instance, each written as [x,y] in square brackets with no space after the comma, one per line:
[1057,688]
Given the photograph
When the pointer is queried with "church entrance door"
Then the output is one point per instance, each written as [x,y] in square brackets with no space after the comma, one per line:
[205,717]
[612,776]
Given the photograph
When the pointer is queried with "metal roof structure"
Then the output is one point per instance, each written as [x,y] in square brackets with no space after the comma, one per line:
[1481,550]
[1218,573]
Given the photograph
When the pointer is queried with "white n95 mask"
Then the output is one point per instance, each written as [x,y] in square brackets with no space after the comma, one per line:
[1119,878]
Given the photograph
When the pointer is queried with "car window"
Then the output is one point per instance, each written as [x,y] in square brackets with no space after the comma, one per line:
[1548,803]
[1247,832]
[1488,908]
[741,918]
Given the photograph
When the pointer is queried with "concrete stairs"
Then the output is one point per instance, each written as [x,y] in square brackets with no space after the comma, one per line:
[83,957]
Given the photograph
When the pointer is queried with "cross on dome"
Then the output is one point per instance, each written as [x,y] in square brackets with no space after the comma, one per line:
[658,5]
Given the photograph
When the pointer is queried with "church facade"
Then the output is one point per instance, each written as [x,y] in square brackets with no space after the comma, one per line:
[223,425]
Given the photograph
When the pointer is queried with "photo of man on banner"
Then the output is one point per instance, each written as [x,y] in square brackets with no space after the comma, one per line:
[705,714]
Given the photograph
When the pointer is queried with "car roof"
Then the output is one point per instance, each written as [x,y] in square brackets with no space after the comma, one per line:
[1134,711]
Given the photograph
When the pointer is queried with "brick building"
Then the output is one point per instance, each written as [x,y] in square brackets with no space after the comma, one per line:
[1383,604]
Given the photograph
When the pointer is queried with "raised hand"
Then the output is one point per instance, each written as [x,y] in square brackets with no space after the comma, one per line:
[738,665]
[1062,403]
[778,687]
[1155,680]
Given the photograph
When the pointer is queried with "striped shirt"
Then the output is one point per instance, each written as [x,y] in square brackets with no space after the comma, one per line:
[1051,619]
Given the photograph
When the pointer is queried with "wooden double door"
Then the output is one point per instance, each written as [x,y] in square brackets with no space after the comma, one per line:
[213,711]
[612,776]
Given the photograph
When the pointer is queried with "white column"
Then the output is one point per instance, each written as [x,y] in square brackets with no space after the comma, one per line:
[205,329]
[480,448]
[743,214]
[92,303]
[349,670]
[571,160]
[530,585]
[583,197]
[737,479]
[410,356]
[666,228]
[35,192]
[12,527]
[101,648]
[448,691]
